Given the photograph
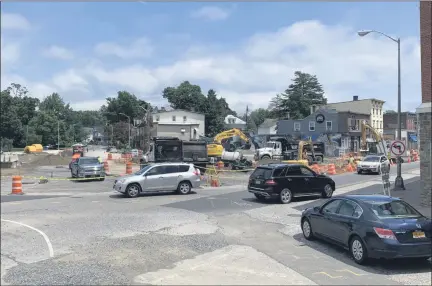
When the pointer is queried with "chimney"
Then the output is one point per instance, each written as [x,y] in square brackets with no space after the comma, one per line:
[355,98]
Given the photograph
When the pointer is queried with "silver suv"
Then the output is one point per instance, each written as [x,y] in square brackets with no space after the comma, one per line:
[160,177]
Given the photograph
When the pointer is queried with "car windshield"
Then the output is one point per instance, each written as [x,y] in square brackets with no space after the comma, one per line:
[262,173]
[371,159]
[88,161]
[269,145]
[143,170]
[394,209]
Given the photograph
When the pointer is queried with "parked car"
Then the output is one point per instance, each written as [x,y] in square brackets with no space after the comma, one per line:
[286,181]
[370,226]
[160,177]
[373,164]
[88,167]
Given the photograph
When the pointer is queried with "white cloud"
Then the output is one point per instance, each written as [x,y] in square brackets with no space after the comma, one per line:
[211,13]
[57,52]
[10,21]
[88,105]
[264,65]
[140,48]
[70,80]
[10,52]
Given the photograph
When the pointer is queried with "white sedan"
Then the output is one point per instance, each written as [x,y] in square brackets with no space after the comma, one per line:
[373,164]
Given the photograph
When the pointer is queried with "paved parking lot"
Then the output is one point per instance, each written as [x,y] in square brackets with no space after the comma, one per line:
[83,233]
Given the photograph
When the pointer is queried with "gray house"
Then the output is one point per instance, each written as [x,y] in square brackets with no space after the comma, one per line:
[341,131]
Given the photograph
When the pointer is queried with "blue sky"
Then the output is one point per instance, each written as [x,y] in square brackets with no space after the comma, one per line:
[246,51]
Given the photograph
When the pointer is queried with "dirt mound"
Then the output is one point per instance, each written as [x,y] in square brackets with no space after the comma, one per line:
[36,160]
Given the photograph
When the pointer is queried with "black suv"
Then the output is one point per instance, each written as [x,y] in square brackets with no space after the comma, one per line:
[285,181]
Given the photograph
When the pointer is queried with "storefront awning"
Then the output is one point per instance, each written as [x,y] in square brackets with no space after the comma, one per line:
[413,137]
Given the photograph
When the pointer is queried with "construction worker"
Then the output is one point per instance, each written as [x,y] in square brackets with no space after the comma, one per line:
[351,159]
[100,159]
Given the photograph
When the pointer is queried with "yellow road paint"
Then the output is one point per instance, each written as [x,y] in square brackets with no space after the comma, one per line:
[349,271]
[328,275]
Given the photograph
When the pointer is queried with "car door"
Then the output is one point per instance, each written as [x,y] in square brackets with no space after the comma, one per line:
[312,183]
[171,177]
[323,223]
[75,167]
[345,220]
[154,179]
[296,182]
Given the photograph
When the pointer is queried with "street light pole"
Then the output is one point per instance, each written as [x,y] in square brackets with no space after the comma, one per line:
[58,135]
[399,183]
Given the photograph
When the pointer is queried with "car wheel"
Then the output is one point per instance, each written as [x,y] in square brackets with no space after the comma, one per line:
[307,229]
[359,172]
[265,157]
[285,196]
[358,250]
[184,188]
[102,179]
[328,191]
[259,197]
[133,190]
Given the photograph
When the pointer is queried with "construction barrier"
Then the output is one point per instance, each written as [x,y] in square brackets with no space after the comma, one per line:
[331,169]
[129,167]
[17,185]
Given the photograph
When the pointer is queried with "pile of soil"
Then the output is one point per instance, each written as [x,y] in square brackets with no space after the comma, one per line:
[36,160]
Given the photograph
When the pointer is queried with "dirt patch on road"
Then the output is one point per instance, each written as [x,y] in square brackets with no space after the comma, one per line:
[36,160]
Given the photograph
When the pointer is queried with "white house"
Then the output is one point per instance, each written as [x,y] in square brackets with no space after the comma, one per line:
[268,127]
[234,122]
[185,125]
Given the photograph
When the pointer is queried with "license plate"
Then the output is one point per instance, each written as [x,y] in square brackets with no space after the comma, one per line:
[419,234]
[257,182]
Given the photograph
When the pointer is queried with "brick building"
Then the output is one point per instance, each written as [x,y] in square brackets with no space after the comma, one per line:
[424,110]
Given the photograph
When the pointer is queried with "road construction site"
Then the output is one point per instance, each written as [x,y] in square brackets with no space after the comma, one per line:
[75,232]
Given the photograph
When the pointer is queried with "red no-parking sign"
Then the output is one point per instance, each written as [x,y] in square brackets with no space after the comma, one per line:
[397,148]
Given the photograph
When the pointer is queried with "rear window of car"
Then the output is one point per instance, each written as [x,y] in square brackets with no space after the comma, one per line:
[393,209]
[371,159]
[262,173]
[183,168]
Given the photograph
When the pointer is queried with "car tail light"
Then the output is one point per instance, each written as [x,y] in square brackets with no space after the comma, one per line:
[270,182]
[197,172]
[384,233]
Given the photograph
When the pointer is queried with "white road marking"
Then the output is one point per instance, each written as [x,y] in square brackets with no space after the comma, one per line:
[48,242]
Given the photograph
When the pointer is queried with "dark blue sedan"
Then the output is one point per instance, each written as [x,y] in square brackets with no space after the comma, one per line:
[370,226]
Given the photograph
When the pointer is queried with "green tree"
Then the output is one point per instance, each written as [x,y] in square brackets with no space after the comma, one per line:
[11,126]
[126,103]
[258,116]
[304,91]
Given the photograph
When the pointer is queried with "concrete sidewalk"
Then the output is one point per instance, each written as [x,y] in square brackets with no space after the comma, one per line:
[412,195]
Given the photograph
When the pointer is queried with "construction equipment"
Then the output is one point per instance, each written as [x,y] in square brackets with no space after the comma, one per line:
[375,145]
[281,148]
[223,141]
[305,154]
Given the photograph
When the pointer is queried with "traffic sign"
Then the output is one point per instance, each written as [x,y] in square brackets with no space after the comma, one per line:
[397,148]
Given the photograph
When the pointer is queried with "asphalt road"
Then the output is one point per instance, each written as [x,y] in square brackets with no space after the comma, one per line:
[83,233]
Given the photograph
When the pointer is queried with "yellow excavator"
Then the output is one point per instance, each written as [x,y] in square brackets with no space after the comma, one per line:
[377,146]
[302,154]
[216,148]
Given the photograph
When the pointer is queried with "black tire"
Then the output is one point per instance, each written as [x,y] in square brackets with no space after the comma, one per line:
[184,188]
[307,229]
[133,190]
[327,192]
[359,172]
[265,157]
[285,196]
[101,179]
[356,247]
[259,197]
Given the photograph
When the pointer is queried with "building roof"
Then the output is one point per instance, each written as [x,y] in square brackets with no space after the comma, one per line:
[269,122]
[236,120]
[175,110]
[379,100]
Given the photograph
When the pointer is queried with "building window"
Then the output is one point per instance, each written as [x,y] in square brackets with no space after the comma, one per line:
[184,118]
[329,125]
[296,126]
[311,125]
[157,118]
[380,111]
[381,124]
[174,118]
[373,111]
[373,123]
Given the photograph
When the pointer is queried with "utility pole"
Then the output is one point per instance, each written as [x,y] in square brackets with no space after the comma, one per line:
[58,135]
[27,136]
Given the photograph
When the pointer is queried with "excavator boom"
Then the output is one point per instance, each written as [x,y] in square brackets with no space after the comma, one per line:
[231,133]
[379,142]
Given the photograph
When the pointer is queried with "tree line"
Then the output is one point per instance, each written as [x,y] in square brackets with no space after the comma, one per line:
[27,120]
